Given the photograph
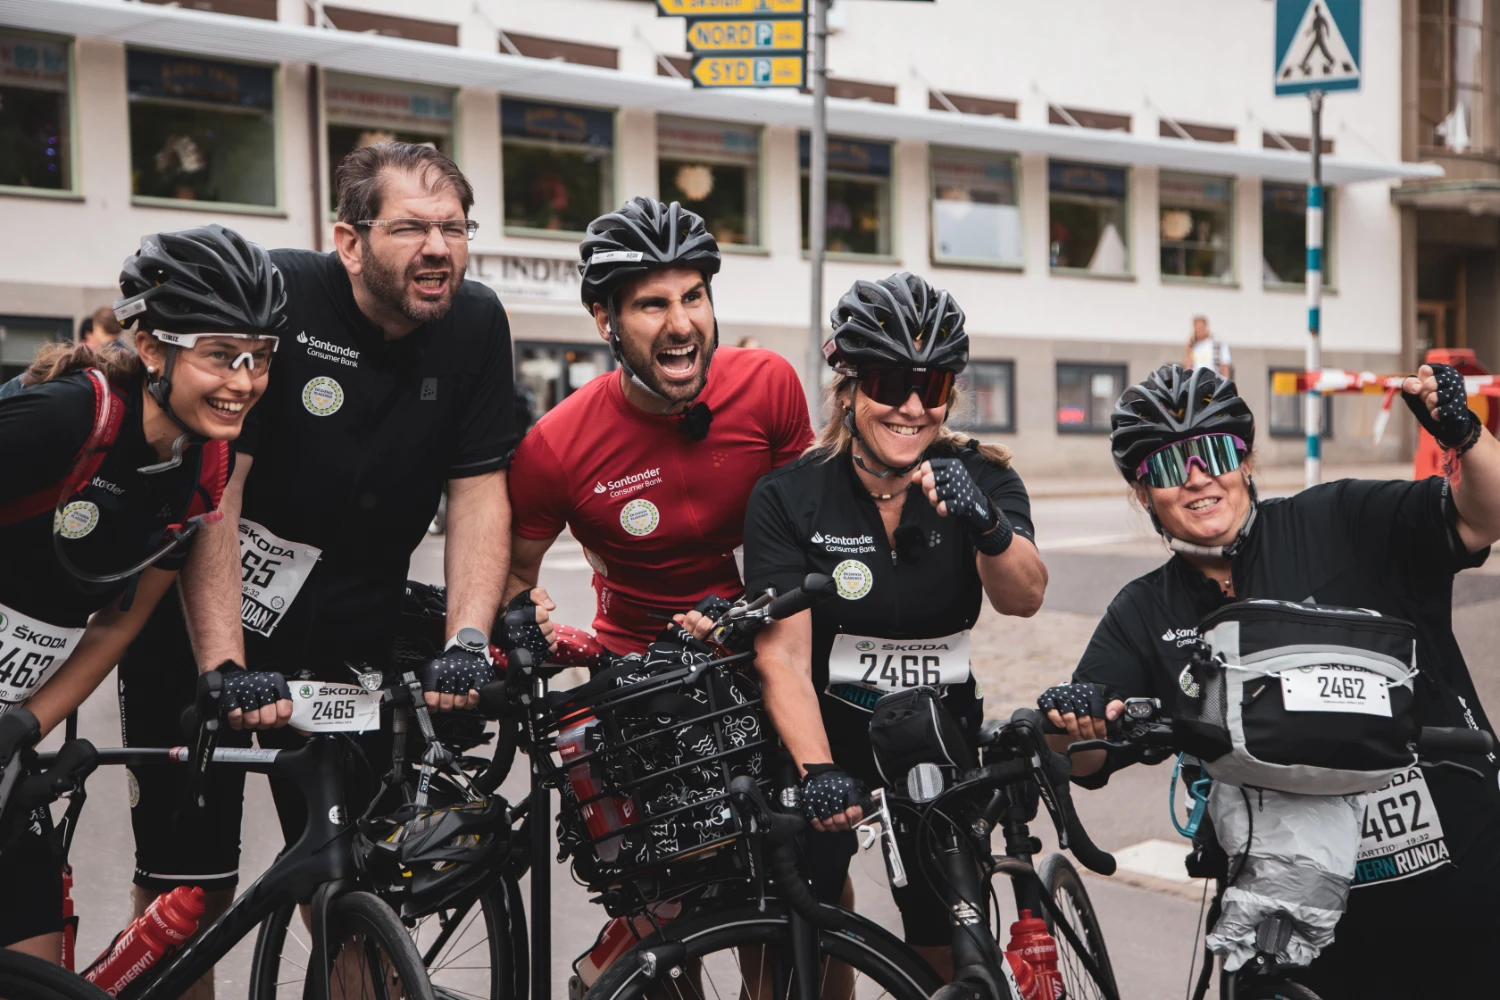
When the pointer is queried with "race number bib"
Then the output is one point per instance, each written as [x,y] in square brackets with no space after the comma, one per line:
[30,650]
[323,707]
[887,665]
[272,571]
[1335,688]
[1402,833]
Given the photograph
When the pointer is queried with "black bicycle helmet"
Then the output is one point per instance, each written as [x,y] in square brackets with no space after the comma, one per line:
[204,280]
[644,235]
[1171,405]
[901,321]
[424,859]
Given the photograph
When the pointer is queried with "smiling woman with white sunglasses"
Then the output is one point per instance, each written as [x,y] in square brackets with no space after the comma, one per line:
[109,462]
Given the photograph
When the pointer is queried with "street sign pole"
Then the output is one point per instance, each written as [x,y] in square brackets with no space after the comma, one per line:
[1314,401]
[817,203]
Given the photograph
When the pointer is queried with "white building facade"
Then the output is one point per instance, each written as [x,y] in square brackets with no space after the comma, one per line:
[1083,177]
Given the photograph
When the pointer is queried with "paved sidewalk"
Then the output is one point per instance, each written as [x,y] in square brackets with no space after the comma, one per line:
[1270,479]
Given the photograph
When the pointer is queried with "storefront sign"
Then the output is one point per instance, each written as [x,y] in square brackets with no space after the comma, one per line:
[353,100]
[850,157]
[683,137]
[537,279]
[558,122]
[1193,189]
[1086,178]
[976,173]
[34,63]
[207,81]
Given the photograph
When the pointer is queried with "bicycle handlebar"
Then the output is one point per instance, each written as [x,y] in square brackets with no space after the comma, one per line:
[816,588]
[781,830]
[1455,739]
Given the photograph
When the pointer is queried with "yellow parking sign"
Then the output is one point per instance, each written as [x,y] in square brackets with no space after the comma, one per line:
[748,71]
[786,35]
[727,8]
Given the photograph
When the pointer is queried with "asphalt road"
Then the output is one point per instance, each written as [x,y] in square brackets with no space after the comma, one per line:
[1092,545]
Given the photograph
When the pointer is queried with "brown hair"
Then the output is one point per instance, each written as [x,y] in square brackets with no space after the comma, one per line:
[835,439]
[124,369]
[105,322]
[361,186]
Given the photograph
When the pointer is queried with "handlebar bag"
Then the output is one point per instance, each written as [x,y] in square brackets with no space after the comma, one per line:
[912,727]
[1303,698]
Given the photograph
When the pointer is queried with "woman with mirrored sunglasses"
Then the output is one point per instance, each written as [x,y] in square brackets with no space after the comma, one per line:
[1183,440]
[108,461]
[918,525]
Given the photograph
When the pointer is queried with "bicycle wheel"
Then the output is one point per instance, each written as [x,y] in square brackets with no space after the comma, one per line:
[1071,899]
[1273,989]
[747,952]
[25,977]
[370,953]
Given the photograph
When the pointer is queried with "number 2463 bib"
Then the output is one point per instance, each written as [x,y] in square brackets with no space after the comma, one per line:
[30,650]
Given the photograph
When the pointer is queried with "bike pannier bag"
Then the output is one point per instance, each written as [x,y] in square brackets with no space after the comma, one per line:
[1303,698]
[912,727]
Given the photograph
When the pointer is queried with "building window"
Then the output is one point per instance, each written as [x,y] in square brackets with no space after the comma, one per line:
[36,145]
[714,170]
[1197,226]
[1288,409]
[988,400]
[558,163]
[1451,109]
[1088,218]
[201,130]
[362,112]
[859,195]
[1086,395]
[976,216]
[553,372]
[1283,221]
[22,336]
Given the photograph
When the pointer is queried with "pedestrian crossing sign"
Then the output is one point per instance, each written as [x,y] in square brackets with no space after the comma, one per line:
[1317,45]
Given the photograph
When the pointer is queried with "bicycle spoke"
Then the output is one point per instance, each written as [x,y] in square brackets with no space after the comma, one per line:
[477,912]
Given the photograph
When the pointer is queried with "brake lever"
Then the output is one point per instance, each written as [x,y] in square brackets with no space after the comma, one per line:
[876,824]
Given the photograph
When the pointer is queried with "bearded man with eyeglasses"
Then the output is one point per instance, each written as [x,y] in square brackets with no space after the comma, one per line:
[394,382]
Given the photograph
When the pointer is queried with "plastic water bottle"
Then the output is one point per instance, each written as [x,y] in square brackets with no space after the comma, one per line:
[576,738]
[168,922]
[1029,939]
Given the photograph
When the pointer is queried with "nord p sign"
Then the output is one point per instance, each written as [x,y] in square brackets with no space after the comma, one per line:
[747,35]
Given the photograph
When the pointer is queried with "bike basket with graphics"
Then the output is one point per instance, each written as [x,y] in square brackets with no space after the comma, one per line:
[1302,698]
[644,753]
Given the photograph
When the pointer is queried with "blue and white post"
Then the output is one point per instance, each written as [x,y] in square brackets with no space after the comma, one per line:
[1313,414]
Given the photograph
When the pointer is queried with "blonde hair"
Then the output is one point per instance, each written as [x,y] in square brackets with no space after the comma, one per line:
[835,439]
[123,368]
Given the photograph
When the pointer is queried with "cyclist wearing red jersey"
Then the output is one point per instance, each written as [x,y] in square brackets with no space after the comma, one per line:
[651,467]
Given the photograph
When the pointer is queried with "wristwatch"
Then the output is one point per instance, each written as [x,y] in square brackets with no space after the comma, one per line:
[472,640]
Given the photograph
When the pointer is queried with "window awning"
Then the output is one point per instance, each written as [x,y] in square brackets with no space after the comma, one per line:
[226,36]
[1477,197]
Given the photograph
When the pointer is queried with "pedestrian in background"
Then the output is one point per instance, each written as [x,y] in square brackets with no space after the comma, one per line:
[85,327]
[1204,350]
[106,331]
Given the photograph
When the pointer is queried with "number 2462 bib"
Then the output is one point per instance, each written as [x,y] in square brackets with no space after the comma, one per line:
[880,666]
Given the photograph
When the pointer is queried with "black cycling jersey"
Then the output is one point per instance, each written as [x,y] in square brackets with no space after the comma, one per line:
[812,516]
[1390,546]
[352,444]
[119,515]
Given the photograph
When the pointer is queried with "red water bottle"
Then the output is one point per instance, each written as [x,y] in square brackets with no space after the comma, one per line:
[1029,939]
[575,738]
[168,922]
[619,935]
[70,922]
[1027,984]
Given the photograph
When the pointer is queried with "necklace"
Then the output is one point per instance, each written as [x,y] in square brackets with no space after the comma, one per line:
[881,496]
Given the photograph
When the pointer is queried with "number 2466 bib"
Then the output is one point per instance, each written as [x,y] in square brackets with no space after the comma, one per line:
[272,571]
[885,665]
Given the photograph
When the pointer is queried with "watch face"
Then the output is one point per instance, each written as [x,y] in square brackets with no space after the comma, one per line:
[473,639]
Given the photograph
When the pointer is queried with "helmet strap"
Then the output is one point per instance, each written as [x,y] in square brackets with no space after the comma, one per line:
[889,473]
[161,391]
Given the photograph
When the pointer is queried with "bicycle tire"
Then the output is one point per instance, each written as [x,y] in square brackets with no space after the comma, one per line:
[361,916]
[1273,989]
[25,977]
[867,948]
[1065,888]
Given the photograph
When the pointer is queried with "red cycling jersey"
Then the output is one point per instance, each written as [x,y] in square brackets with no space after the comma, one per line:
[659,515]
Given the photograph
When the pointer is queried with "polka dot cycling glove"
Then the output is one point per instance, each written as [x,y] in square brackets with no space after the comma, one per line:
[1456,426]
[457,671]
[828,790]
[1080,699]
[248,690]
[521,629]
[988,527]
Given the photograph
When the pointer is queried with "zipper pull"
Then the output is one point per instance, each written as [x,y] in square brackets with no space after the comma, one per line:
[893,557]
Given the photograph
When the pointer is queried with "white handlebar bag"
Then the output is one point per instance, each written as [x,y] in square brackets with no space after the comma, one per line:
[1302,698]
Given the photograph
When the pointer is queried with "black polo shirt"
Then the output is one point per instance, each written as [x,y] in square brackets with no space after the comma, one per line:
[352,444]
[815,516]
[1386,545]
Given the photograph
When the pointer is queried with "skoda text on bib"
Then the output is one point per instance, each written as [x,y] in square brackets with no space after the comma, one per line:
[30,650]
[861,664]
[272,571]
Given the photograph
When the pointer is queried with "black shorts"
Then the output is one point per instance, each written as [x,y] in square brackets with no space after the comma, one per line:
[32,876]
[175,846]
[924,912]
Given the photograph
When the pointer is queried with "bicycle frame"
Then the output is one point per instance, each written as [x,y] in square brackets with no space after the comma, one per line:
[313,869]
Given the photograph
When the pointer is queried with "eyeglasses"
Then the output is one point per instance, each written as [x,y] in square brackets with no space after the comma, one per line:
[894,386]
[1171,466]
[416,230]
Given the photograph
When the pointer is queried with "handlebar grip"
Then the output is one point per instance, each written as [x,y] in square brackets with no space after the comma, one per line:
[816,588]
[75,761]
[1455,739]
[795,891]
[1079,842]
[494,703]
